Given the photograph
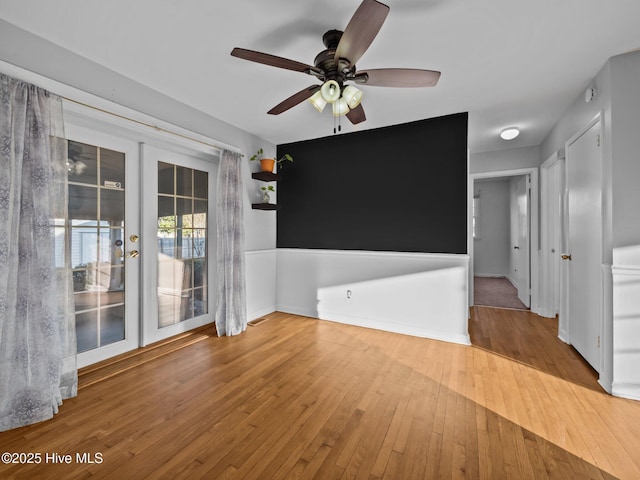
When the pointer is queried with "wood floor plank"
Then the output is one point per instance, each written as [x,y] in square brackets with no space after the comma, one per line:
[297,397]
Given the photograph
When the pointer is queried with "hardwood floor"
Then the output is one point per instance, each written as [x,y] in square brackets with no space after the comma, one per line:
[296,397]
[525,337]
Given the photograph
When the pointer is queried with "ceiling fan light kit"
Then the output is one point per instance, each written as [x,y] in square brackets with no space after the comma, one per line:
[318,101]
[352,95]
[340,107]
[330,91]
[336,65]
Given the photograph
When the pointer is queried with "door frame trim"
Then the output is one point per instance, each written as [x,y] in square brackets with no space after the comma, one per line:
[533,231]
[547,309]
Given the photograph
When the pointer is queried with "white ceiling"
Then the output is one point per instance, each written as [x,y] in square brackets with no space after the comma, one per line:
[506,62]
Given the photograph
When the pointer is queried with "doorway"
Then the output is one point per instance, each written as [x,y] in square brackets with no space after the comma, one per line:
[504,235]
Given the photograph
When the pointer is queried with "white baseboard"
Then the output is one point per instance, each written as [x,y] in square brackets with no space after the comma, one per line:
[562,335]
[297,310]
[397,328]
[625,390]
[260,313]
[606,383]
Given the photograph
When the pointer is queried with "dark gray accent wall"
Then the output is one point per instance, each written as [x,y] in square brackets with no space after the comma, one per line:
[401,188]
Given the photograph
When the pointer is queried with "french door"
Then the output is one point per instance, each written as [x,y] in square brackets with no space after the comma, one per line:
[102,229]
[138,227]
[178,259]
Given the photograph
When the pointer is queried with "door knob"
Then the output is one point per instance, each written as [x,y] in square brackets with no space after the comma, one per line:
[133,254]
[564,256]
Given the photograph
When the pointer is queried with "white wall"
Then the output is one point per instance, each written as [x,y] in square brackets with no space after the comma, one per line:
[507,159]
[261,285]
[416,294]
[491,247]
[625,120]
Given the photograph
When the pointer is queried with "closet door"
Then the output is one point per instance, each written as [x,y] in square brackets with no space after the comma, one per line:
[583,258]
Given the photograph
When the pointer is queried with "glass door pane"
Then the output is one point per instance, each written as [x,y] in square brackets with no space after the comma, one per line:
[182,245]
[99,168]
[96,228]
[178,193]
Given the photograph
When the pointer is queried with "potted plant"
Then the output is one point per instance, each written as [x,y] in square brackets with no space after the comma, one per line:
[265,193]
[267,164]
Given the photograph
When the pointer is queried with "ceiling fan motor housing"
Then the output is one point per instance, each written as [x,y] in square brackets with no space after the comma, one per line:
[334,69]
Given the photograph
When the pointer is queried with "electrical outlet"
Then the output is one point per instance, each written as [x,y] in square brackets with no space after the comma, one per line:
[348,293]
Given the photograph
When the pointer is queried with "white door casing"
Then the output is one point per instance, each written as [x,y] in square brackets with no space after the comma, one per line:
[533,237]
[551,200]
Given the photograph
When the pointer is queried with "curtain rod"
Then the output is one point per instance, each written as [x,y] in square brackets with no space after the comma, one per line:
[155,127]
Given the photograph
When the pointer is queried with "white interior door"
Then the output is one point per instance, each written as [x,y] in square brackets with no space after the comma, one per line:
[102,225]
[519,227]
[583,258]
[523,247]
[178,251]
[556,182]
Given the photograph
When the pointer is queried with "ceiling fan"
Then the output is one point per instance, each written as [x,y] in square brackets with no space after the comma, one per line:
[336,66]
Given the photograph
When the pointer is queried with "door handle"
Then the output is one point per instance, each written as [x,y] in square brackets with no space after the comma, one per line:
[133,254]
[516,248]
[564,256]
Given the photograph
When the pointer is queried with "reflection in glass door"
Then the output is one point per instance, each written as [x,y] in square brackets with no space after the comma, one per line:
[95,230]
[182,243]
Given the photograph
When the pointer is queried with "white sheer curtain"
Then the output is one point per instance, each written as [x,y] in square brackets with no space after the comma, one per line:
[231,311]
[37,324]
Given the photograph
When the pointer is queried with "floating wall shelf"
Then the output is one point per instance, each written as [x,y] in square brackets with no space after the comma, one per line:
[265,206]
[265,177]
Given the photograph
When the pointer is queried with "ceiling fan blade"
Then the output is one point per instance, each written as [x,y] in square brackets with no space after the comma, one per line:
[271,60]
[294,100]
[398,77]
[361,30]
[356,115]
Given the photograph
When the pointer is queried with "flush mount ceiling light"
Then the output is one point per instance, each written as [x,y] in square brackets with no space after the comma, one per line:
[509,133]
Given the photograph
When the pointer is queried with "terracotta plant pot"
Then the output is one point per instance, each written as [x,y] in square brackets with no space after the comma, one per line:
[267,164]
